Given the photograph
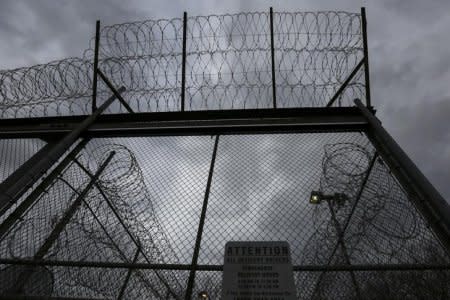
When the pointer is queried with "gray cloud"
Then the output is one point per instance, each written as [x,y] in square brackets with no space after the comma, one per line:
[422,130]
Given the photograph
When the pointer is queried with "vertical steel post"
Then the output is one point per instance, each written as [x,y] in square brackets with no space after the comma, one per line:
[183,63]
[115,91]
[94,76]
[201,224]
[366,56]
[272,51]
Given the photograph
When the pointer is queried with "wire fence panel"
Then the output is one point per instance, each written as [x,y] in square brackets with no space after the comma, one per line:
[165,178]
[113,221]
[375,285]
[228,66]
[145,208]
[262,186]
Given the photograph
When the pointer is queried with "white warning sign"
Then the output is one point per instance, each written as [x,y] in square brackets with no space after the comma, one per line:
[258,271]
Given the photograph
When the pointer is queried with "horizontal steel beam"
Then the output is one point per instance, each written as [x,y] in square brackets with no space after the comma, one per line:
[187,267]
[246,121]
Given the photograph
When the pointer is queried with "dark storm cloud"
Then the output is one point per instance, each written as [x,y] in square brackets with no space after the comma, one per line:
[44,30]
[410,74]
[423,131]
[422,11]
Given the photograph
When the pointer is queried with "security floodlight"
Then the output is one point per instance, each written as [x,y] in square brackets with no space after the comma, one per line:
[203,295]
[315,197]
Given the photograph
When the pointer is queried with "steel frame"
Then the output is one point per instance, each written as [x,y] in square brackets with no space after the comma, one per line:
[248,121]
[65,131]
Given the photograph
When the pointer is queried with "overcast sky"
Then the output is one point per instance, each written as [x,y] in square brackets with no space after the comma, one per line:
[408,41]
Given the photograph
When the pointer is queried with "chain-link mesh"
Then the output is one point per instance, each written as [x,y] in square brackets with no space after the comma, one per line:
[14,152]
[145,209]
[378,284]
[228,66]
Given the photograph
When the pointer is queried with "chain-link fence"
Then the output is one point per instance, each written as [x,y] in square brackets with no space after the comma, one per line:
[227,66]
[122,220]
[149,217]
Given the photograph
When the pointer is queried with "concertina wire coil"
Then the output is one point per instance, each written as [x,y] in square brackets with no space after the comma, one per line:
[228,66]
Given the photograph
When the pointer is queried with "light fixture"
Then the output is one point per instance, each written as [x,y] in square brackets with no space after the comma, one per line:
[203,295]
[317,197]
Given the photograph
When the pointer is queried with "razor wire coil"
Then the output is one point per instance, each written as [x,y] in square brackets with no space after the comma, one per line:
[227,65]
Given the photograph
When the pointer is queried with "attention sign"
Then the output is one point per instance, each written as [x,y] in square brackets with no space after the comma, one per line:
[258,271]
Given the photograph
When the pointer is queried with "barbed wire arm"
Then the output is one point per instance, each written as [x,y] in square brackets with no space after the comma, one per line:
[116,93]
[95,68]
[346,82]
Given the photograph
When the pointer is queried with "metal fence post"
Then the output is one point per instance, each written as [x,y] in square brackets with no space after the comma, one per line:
[201,224]
[272,51]
[346,83]
[366,56]
[183,63]
[94,77]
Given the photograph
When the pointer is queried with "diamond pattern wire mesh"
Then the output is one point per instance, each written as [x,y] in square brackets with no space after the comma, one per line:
[14,152]
[228,66]
[261,190]
[338,285]
[145,208]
